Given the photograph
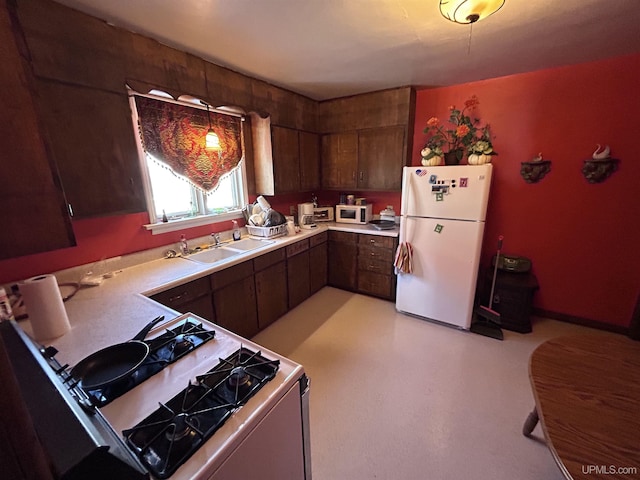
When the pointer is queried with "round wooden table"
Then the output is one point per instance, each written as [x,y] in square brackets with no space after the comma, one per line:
[587,395]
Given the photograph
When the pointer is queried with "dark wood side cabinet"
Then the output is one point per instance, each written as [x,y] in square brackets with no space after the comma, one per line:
[512,298]
[234,299]
[298,272]
[192,297]
[271,286]
[318,267]
[343,259]
[376,275]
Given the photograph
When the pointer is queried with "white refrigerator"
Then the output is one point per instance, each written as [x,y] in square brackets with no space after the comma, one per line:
[442,218]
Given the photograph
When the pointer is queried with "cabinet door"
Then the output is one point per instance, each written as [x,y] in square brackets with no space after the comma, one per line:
[339,160]
[286,159]
[309,161]
[298,278]
[318,267]
[381,158]
[235,307]
[343,265]
[271,294]
[33,204]
[203,307]
[92,141]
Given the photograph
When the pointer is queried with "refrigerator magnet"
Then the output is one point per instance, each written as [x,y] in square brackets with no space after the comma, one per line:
[463,182]
[439,197]
[433,178]
[438,228]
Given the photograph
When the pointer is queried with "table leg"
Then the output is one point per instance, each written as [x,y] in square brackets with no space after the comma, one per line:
[530,423]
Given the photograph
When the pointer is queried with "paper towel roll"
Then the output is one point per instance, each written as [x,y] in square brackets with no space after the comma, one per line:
[45,308]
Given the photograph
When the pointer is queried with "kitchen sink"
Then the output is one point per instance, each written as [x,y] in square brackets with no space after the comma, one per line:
[247,244]
[228,250]
[213,255]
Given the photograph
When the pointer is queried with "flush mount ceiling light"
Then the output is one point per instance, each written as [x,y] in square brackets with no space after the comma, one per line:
[211,141]
[469,11]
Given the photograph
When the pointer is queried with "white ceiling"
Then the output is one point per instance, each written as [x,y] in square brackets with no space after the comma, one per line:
[332,48]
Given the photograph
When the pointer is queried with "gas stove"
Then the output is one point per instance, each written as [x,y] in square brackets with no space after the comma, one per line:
[188,413]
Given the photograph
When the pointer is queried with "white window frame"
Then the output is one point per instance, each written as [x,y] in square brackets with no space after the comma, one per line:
[156,225]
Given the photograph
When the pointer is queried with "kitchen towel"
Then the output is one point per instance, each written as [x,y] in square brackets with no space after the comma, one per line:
[404,258]
[45,308]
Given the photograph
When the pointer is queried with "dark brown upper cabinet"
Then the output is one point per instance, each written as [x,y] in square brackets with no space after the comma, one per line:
[33,205]
[92,142]
[295,162]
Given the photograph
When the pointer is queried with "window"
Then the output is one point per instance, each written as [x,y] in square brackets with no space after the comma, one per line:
[182,197]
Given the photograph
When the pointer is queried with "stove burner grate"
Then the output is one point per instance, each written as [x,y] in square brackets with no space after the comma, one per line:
[169,347]
[171,434]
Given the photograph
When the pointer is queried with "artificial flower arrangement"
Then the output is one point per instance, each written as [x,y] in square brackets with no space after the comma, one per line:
[463,135]
[481,150]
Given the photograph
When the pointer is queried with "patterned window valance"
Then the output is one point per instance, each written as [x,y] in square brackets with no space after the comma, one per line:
[175,135]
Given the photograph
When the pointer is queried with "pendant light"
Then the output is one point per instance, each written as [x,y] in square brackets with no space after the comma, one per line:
[469,11]
[211,141]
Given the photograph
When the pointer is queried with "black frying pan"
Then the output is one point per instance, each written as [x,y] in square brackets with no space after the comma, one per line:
[114,362]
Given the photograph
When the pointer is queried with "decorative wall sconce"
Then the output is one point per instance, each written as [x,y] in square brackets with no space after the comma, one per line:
[600,166]
[535,170]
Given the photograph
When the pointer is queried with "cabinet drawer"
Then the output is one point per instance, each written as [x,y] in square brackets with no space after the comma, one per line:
[376,241]
[318,239]
[371,264]
[297,247]
[374,284]
[182,294]
[343,237]
[231,275]
[268,259]
[373,253]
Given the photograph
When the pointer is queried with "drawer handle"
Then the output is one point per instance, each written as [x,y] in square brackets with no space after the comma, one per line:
[178,297]
[372,241]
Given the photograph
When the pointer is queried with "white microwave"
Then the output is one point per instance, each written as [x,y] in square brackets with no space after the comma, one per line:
[353,213]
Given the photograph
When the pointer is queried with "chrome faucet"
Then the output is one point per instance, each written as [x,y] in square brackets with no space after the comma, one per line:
[215,239]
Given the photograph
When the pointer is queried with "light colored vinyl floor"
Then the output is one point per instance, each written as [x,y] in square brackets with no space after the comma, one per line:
[395,397]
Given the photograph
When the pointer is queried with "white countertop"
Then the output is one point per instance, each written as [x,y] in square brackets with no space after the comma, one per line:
[117,309]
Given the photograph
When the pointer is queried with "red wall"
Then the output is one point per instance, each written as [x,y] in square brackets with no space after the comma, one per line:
[582,238]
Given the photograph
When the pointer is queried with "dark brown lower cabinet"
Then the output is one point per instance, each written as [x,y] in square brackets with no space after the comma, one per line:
[298,272]
[318,268]
[343,260]
[271,286]
[192,297]
[375,266]
[234,299]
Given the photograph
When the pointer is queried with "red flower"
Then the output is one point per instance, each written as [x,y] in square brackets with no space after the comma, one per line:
[433,122]
[462,130]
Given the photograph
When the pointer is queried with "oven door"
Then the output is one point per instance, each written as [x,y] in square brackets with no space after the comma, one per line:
[277,446]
